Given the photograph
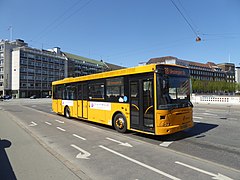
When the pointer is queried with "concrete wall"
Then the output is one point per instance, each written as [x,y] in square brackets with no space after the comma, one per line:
[215,99]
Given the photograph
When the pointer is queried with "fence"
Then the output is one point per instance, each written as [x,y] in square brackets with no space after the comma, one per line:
[215,99]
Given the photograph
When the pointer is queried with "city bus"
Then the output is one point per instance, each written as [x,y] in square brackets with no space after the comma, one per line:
[152,99]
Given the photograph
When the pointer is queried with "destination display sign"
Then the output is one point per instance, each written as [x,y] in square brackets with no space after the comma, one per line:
[176,71]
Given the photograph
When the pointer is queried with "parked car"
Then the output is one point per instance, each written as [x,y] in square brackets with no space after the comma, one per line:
[7,97]
[33,97]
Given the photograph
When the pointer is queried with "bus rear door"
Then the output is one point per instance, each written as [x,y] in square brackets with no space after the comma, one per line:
[85,101]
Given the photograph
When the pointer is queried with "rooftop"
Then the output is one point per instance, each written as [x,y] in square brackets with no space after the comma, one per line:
[81,58]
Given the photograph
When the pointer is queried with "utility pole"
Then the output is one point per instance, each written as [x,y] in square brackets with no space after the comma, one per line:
[10,32]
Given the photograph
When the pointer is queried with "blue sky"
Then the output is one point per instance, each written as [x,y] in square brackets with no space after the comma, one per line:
[127,32]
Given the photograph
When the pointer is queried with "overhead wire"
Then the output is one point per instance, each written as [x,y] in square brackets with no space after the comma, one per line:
[186,20]
[60,19]
[57,19]
[189,17]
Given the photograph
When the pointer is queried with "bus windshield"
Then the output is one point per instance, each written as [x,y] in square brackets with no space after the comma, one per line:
[173,92]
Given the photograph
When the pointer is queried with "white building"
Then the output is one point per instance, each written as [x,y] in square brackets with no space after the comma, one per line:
[6,48]
[33,71]
[237,74]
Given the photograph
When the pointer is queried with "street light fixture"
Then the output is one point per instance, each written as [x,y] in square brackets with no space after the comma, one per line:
[198,39]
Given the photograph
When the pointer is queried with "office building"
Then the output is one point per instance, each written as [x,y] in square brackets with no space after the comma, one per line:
[80,66]
[237,74]
[33,71]
[208,72]
[26,71]
[6,64]
[229,69]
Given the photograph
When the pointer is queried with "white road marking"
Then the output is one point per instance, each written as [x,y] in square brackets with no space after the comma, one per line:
[214,176]
[120,143]
[232,119]
[61,129]
[77,136]
[83,154]
[197,121]
[32,124]
[196,117]
[59,121]
[48,123]
[166,144]
[209,114]
[140,163]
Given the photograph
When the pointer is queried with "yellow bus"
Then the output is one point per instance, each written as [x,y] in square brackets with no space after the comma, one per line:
[152,99]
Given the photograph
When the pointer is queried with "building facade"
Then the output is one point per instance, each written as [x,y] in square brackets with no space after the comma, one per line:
[6,48]
[26,71]
[199,71]
[33,71]
[80,66]
[237,74]
[229,69]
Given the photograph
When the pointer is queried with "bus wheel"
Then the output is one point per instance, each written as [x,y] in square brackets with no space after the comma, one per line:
[120,123]
[67,112]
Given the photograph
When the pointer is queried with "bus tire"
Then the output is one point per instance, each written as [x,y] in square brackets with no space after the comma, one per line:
[67,112]
[120,123]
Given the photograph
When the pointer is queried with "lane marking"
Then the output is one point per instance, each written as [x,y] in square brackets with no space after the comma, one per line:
[196,117]
[214,176]
[209,114]
[119,142]
[83,154]
[140,163]
[166,144]
[32,124]
[77,136]
[61,129]
[59,121]
[48,123]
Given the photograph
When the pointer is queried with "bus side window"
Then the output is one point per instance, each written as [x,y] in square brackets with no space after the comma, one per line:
[85,92]
[96,91]
[114,89]
[79,92]
[70,92]
[58,92]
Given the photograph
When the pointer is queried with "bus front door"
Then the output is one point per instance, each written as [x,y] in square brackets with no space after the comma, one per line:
[142,104]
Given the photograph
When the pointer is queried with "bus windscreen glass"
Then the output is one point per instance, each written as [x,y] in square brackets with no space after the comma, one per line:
[173,89]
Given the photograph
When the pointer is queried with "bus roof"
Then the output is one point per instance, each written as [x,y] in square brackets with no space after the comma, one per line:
[114,73]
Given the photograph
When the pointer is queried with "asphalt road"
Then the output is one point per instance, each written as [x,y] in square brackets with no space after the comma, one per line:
[209,150]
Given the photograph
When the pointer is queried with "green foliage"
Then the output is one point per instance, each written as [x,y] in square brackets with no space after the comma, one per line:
[200,86]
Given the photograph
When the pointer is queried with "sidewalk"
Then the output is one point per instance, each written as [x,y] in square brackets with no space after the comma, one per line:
[23,158]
